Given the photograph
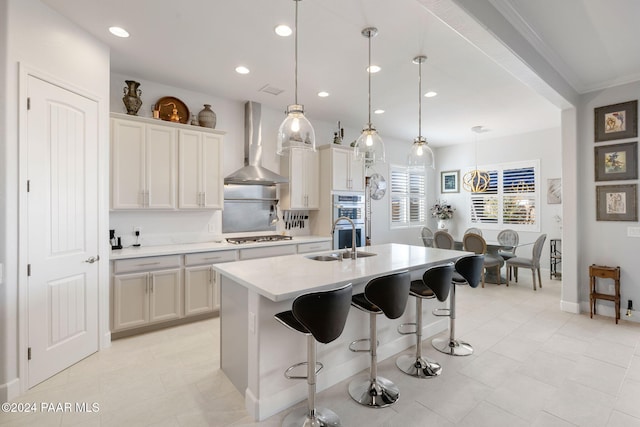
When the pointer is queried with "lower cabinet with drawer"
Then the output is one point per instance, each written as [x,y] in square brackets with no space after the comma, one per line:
[146,291]
[201,289]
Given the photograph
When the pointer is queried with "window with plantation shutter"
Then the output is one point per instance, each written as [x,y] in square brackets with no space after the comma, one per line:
[511,199]
[408,198]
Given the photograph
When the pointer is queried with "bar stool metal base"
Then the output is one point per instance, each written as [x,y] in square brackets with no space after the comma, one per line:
[418,367]
[452,347]
[300,418]
[379,393]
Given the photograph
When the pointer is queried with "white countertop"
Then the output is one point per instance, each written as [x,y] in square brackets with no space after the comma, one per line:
[285,277]
[185,248]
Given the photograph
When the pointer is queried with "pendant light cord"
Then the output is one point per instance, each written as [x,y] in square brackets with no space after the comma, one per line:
[420,101]
[296,54]
[369,71]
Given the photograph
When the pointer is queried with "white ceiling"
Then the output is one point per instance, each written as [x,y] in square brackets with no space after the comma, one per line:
[196,45]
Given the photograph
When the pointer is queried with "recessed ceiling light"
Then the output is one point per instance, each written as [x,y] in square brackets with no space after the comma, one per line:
[378,111]
[323,94]
[374,69]
[430,94]
[118,31]
[283,30]
[242,70]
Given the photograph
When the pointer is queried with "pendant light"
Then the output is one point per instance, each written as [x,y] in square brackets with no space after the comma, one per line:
[295,131]
[369,146]
[421,155]
[476,181]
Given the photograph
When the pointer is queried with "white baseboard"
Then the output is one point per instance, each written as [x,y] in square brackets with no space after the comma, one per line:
[570,307]
[10,390]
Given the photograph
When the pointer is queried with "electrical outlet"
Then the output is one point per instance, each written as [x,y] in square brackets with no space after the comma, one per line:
[212,227]
[612,289]
[137,229]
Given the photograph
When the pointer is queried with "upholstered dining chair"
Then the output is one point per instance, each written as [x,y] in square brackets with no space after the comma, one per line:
[427,237]
[475,243]
[443,240]
[532,263]
[473,230]
[511,239]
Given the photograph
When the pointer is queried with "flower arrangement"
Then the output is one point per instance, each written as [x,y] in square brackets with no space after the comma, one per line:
[442,210]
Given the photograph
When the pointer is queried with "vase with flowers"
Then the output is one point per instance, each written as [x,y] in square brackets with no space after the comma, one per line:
[443,212]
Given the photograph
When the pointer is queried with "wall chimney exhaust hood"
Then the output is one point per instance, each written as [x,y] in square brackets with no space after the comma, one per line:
[253,173]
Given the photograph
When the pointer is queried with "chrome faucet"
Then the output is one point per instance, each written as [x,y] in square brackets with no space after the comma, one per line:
[353,234]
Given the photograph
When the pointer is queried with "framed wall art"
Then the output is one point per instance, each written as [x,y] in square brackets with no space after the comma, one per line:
[554,191]
[617,121]
[616,162]
[450,182]
[617,202]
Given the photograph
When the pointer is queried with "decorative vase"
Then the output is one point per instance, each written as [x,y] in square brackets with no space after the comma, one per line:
[131,98]
[206,117]
[443,224]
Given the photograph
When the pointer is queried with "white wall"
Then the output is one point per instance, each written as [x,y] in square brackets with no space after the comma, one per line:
[603,242]
[36,37]
[542,145]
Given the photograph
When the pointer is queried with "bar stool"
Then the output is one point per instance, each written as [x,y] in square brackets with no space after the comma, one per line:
[469,270]
[321,316]
[436,282]
[388,295]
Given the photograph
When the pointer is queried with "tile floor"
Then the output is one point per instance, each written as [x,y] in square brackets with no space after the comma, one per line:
[533,365]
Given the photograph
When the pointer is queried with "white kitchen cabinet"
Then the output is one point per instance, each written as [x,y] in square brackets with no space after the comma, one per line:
[146,291]
[304,248]
[143,165]
[201,289]
[302,192]
[200,177]
[346,172]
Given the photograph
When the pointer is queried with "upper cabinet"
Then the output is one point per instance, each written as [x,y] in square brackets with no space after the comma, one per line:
[346,172]
[302,191]
[143,165]
[163,165]
[200,170]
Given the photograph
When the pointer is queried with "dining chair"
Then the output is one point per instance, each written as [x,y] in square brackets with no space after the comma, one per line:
[473,230]
[427,237]
[443,240]
[510,239]
[532,263]
[475,243]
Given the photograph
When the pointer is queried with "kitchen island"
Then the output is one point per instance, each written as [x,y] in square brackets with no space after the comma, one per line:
[256,349]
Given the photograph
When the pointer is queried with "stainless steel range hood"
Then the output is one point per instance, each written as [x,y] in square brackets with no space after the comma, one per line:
[253,173]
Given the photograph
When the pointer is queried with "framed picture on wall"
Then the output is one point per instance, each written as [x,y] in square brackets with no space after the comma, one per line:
[617,202]
[616,162]
[617,121]
[450,182]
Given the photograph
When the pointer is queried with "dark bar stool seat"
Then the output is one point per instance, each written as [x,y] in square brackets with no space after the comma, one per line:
[321,316]
[386,295]
[469,270]
[435,283]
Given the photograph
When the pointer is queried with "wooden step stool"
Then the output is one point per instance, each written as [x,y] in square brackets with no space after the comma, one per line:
[604,272]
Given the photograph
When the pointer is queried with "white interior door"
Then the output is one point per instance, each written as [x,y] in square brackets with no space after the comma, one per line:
[62,228]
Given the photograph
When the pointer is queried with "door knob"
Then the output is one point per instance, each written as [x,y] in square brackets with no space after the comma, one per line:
[92,259]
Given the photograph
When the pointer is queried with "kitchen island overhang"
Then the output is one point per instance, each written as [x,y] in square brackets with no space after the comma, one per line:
[256,349]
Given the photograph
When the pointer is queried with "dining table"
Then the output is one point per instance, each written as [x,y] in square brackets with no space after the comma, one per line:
[493,250]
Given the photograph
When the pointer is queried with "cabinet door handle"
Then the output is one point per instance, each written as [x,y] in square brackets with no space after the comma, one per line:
[148,263]
[199,199]
[153,279]
[146,285]
[211,275]
[92,259]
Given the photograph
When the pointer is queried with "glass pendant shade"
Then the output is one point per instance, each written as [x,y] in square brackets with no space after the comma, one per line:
[369,146]
[421,155]
[295,131]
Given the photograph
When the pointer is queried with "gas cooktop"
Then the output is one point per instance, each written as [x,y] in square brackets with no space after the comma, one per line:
[255,239]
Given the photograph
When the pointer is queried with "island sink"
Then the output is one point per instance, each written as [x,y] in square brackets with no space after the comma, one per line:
[335,256]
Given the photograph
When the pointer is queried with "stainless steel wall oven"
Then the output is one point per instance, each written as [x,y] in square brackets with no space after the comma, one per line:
[352,207]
